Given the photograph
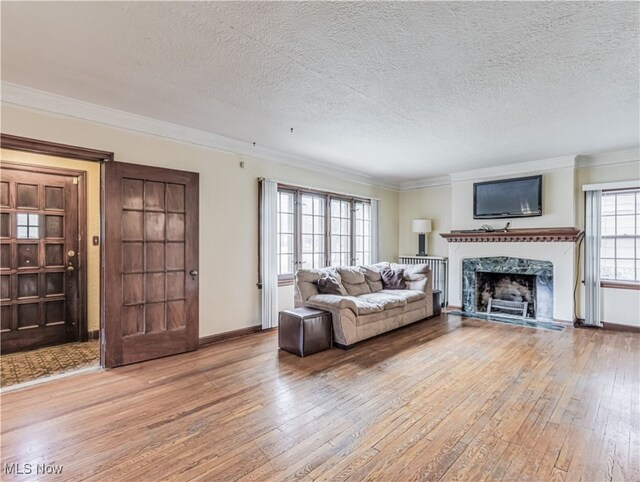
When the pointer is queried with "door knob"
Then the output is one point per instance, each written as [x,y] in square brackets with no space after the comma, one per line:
[193,273]
[70,268]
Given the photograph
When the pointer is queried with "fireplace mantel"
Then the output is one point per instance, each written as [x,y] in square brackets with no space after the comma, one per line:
[544,235]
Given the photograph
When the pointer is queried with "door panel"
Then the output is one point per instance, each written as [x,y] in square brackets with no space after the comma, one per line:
[151,246]
[39,240]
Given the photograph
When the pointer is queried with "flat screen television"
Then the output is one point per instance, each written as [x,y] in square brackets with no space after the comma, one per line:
[508,198]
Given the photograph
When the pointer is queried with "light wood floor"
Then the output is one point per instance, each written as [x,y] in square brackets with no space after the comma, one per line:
[439,400]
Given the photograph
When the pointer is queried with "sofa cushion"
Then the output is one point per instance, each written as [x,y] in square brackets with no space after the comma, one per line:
[307,280]
[353,280]
[357,305]
[418,285]
[306,283]
[335,302]
[351,275]
[408,295]
[393,279]
[413,272]
[367,307]
[357,290]
[331,285]
[309,275]
[385,300]
[372,277]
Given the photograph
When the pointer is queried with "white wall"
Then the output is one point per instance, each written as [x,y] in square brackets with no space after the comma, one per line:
[229,297]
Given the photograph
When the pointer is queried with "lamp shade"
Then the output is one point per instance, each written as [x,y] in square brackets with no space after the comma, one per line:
[421,225]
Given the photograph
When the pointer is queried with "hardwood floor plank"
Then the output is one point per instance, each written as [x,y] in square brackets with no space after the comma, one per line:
[445,399]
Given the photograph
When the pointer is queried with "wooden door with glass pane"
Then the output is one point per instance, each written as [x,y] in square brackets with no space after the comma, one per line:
[39,257]
[151,263]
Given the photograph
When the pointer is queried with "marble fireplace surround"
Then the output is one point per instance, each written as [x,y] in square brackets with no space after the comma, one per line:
[543,270]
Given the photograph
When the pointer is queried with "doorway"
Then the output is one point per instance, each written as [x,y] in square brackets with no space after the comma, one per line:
[41,272]
[49,306]
[136,285]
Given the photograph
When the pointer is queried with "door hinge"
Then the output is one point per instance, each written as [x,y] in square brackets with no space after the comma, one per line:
[75,180]
[102,336]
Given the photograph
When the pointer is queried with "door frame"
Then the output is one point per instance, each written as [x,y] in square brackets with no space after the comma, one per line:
[17,143]
[83,321]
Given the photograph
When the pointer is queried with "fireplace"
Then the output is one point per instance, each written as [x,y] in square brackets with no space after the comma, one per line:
[513,281]
[520,289]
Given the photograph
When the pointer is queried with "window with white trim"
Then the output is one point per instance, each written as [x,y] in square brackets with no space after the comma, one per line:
[620,236]
[340,232]
[318,229]
[286,234]
[363,232]
[312,230]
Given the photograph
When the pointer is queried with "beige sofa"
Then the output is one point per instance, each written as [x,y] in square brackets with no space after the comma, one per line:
[368,309]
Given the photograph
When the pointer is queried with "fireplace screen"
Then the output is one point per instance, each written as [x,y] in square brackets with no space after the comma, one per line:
[506,287]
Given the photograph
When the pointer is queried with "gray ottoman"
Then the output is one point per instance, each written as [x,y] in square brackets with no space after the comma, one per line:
[304,331]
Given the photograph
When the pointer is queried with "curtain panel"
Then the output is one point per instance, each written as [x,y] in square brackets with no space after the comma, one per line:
[592,258]
[268,253]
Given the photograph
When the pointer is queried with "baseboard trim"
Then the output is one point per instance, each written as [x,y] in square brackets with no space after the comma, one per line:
[618,327]
[208,340]
[93,335]
[606,325]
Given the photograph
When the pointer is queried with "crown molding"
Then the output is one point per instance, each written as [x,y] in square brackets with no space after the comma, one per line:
[38,100]
[494,172]
[609,158]
[426,182]
[527,167]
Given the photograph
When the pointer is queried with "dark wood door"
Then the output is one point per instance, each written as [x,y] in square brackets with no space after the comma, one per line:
[150,263]
[40,267]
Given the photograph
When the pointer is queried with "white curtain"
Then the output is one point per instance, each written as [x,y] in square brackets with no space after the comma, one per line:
[592,258]
[269,253]
[375,231]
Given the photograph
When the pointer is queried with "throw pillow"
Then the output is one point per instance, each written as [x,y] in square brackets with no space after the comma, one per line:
[329,285]
[393,279]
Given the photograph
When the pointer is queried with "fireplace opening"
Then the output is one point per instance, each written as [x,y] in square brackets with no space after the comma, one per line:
[506,293]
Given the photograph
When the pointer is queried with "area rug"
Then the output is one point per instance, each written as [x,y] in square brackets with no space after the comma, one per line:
[30,365]
[541,325]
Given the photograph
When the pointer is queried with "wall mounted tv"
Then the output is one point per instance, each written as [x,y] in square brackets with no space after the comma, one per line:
[508,198]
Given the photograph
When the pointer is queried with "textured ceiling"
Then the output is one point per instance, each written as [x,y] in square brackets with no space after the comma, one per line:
[395,90]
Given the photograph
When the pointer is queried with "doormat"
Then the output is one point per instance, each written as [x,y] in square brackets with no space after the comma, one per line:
[30,365]
[540,325]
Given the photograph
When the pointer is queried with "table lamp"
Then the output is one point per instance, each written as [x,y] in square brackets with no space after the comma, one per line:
[422,227]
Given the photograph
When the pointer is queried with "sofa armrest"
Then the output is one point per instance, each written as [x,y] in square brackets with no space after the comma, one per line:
[332,302]
[423,284]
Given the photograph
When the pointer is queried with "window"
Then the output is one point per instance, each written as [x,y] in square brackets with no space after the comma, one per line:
[340,232]
[27,226]
[620,236]
[313,230]
[317,229]
[286,240]
[363,233]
